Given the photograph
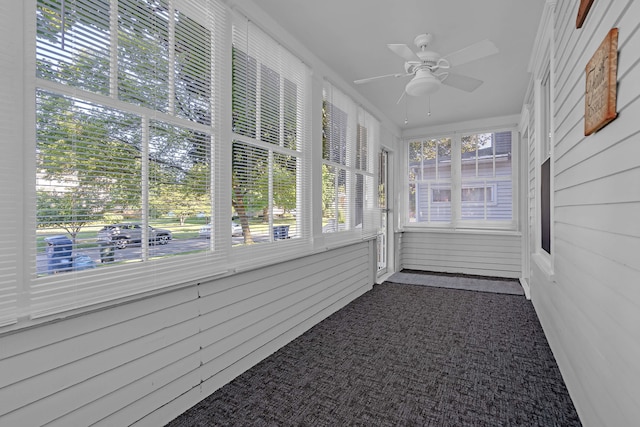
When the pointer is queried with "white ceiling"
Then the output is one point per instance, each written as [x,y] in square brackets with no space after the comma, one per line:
[350,36]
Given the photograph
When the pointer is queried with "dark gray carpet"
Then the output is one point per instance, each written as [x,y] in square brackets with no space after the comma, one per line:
[404,355]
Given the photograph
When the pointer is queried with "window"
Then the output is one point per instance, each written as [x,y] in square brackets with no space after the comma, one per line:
[429,166]
[440,195]
[381,243]
[269,142]
[348,183]
[544,156]
[462,180]
[486,171]
[138,161]
[126,102]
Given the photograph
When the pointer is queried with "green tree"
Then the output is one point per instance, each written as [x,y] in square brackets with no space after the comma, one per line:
[284,181]
[80,162]
[100,149]
[472,143]
[69,210]
[178,199]
[328,188]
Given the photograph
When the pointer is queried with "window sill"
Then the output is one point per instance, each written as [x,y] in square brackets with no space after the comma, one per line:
[543,262]
[486,231]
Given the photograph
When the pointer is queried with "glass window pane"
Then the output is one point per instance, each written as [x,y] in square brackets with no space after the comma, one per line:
[359,201]
[329,199]
[361,148]
[444,158]
[335,135]
[486,155]
[73,45]
[143,53]
[415,161]
[285,192]
[433,202]
[269,105]
[412,202]
[179,188]
[499,201]
[244,93]
[192,70]
[290,115]
[335,200]
[250,185]
[503,153]
[88,172]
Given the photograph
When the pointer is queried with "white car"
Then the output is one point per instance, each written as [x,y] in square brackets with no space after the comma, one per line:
[236,230]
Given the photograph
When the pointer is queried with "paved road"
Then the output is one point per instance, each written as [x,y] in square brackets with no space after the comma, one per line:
[135,252]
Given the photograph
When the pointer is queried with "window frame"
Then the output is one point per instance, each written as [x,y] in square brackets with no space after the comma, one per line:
[80,290]
[358,139]
[543,254]
[456,183]
[266,54]
[492,186]
[21,289]
[545,162]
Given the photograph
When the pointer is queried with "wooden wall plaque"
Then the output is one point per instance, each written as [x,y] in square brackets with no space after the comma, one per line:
[583,11]
[601,87]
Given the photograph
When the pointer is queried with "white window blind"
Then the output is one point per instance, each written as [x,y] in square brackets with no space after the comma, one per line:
[367,144]
[11,166]
[350,135]
[270,150]
[127,104]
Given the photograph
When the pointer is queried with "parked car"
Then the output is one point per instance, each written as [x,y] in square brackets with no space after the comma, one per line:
[124,234]
[236,230]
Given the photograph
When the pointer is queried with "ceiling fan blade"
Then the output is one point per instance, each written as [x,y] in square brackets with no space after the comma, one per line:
[403,51]
[367,80]
[468,84]
[471,53]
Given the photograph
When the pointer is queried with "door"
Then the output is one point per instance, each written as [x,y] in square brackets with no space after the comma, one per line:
[383,189]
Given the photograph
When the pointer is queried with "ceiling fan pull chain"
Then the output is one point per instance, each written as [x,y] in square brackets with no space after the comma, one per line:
[406,116]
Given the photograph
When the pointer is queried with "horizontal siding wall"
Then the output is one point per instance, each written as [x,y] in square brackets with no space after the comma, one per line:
[590,309]
[479,253]
[148,361]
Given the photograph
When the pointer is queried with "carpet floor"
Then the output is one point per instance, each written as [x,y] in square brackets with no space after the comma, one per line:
[404,355]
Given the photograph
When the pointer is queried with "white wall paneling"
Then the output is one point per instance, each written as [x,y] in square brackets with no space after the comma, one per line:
[479,253]
[149,360]
[590,309]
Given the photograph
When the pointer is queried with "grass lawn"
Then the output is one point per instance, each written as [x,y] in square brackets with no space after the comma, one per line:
[86,238]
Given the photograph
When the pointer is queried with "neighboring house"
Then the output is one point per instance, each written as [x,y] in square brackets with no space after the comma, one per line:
[486,191]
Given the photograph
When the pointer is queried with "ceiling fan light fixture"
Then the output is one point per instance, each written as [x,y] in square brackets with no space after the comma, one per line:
[424,83]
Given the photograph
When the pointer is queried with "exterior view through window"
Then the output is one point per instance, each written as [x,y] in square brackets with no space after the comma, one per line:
[478,194]
[268,126]
[124,143]
[146,177]
[348,187]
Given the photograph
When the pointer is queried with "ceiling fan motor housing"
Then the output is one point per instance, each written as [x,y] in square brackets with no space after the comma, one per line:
[428,57]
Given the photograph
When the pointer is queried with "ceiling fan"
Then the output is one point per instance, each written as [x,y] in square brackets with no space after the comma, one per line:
[425,66]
